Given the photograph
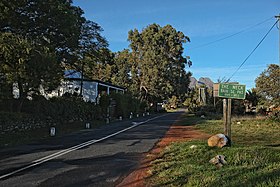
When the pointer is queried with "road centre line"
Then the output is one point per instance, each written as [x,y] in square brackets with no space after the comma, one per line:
[74,148]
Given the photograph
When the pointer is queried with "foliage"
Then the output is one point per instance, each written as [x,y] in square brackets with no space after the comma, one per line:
[208,111]
[33,68]
[122,70]
[267,85]
[238,107]
[194,104]
[127,104]
[172,103]
[94,59]
[100,66]
[38,39]
[274,115]
[157,67]
[252,97]
[53,24]
[192,101]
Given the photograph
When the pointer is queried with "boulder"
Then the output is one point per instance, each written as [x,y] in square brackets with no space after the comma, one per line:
[219,140]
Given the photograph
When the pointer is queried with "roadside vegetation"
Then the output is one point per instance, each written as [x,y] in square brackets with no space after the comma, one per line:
[252,160]
[67,114]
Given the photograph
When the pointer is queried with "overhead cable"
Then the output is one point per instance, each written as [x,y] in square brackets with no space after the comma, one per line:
[253,50]
[221,39]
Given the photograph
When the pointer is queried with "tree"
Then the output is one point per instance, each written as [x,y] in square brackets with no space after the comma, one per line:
[267,85]
[100,66]
[33,68]
[158,67]
[55,24]
[41,38]
[252,97]
[121,74]
[92,51]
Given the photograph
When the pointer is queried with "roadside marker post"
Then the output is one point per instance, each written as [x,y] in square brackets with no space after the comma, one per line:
[87,125]
[52,131]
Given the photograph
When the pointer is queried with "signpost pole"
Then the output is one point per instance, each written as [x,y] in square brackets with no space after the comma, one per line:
[229,118]
[229,91]
[225,116]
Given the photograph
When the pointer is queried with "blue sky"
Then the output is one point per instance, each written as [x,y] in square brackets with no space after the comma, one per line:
[204,21]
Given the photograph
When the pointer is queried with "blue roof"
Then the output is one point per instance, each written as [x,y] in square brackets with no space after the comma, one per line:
[199,82]
[72,74]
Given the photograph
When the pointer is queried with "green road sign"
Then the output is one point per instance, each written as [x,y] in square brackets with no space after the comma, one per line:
[233,91]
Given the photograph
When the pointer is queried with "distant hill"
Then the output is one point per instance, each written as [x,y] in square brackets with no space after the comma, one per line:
[202,81]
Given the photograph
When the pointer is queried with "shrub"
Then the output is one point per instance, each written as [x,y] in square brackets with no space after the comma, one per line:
[274,115]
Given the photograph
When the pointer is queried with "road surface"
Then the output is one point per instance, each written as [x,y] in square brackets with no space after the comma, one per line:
[94,157]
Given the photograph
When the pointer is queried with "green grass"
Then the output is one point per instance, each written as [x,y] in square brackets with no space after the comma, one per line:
[250,131]
[253,160]
[247,166]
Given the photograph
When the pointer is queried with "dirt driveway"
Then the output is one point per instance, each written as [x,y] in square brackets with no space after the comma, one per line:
[174,134]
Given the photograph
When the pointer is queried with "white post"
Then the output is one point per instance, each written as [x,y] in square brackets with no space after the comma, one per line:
[108,90]
[52,131]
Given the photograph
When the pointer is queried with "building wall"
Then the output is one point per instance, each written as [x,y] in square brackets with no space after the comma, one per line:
[74,87]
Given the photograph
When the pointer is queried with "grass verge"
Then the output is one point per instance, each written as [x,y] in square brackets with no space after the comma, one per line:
[253,160]
[247,166]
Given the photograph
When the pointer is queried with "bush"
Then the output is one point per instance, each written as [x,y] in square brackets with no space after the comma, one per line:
[126,103]
[274,116]
[41,112]
[209,111]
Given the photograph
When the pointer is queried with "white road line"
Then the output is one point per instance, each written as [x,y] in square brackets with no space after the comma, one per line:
[74,148]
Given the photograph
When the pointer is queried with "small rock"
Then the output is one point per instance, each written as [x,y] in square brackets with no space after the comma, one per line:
[193,146]
[218,161]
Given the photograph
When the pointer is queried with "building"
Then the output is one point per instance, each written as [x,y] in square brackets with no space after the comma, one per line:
[88,88]
[73,84]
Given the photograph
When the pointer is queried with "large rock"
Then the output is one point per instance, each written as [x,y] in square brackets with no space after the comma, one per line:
[219,140]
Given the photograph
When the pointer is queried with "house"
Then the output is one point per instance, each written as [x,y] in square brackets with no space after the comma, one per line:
[89,89]
[75,85]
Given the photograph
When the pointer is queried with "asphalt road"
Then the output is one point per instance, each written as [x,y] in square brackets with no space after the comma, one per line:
[94,157]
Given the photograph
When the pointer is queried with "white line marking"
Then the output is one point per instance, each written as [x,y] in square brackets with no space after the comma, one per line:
[74,148]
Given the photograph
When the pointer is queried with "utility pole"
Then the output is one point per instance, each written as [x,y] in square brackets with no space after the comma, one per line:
[278,17]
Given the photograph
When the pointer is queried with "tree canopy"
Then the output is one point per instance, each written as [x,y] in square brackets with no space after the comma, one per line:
[156,63]
[40,39]
[267,85]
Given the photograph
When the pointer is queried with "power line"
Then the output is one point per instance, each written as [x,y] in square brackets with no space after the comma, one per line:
[221,39]
[253,50]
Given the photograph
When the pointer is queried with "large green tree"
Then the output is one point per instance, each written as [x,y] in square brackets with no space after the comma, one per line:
[55,24]
[122,69]
[40,39]
[267,85]
[30,66]
[157,64]
[93,56]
